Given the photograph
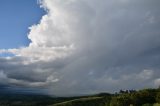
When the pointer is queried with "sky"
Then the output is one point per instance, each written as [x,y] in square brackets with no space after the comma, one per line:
[16,17]
[75,47]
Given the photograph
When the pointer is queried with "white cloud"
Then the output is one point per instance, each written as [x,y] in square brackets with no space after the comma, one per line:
[145,75]
[34,54]
[157,82]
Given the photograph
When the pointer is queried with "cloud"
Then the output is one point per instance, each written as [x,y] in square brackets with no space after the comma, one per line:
[157,82]
[34,54]
[89,46]
[19,82]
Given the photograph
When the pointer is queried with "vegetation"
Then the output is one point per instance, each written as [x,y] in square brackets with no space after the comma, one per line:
[145,97]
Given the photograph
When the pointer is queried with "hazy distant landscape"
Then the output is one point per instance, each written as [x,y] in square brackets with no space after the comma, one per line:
[145,97]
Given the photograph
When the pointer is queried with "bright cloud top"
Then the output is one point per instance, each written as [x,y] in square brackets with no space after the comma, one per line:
[88,46]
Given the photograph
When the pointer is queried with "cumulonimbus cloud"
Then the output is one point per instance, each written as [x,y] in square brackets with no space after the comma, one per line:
[88,46]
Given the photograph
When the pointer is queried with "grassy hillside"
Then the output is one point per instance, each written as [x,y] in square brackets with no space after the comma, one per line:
[85,101]
[145,97]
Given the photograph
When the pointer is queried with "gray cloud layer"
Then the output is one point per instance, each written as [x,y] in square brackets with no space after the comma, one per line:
[89,46]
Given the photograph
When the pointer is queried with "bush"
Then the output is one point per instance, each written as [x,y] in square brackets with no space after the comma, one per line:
[156,104]
[147,104]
